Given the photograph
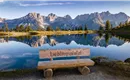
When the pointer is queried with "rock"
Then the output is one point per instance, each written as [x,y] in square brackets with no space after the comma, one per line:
[113,64]
[127,60]
[93,20]
[99,59]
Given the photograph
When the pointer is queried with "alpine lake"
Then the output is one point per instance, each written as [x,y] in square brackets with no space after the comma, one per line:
[23,52]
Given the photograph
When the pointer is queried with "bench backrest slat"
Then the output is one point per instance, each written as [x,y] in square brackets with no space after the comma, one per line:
[63,53]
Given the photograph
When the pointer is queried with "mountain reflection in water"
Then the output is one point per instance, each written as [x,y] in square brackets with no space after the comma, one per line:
[23,52]
[84,39]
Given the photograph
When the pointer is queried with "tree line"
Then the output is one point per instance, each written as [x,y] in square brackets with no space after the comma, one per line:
[109,27]
[122,26]
[22,28]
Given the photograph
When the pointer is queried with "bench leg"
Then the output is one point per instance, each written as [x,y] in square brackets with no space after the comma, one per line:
[48,73]
[84,70]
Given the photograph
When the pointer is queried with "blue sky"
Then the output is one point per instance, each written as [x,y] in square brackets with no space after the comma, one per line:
[16,9]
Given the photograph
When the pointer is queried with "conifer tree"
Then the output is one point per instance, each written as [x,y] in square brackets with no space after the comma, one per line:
[6,27]
[108,25]
[57,29]
[86,28]
[101,28]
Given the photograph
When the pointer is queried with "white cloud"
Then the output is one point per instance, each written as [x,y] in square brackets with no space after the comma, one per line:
[1,0]
[34,3]
[44,4]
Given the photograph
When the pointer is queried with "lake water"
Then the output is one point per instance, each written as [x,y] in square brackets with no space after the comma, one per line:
[23,52]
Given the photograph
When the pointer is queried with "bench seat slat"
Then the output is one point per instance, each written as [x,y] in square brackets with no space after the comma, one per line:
[64,63]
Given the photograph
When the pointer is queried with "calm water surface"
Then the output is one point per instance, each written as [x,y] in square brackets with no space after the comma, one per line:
[23,52]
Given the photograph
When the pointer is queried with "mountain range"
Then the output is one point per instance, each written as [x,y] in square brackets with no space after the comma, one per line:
[93,20]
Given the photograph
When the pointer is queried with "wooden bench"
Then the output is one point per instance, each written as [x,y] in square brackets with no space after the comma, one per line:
[48,66]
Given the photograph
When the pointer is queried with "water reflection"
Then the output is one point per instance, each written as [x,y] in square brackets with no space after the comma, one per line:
[2,40]
[22,52]
[102,40]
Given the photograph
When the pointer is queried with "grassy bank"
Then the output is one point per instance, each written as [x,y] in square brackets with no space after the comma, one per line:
[60,32]
[13,34]
[44,33]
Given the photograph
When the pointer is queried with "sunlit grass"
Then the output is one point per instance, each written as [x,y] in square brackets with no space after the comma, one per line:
[45,33]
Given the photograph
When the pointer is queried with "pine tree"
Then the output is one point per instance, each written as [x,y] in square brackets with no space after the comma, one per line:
[17,28]
[3,28]
[39,28]
[76,28]
[108,25]
[80,28]
[21,28]
[6,27]
[86,28]
[49,28]
[11,29]
[120,24]
[57,29]
[28,28]
[101,28]
[126,23]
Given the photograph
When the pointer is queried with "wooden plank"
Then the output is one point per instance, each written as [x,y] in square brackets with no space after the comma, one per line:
[64,63]
[63,53]
[84,70]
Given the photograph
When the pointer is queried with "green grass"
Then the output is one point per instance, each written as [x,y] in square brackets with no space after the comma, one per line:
[15,34]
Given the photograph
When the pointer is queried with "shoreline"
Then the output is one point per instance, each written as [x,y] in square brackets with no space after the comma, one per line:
[17,34]
[104,69]
[97,73]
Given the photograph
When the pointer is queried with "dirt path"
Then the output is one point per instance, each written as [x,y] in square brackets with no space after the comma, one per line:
[97,73]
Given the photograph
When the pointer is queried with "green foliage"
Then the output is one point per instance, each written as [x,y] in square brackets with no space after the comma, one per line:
[6,27]
[120,24]
[58,29]
[125,26]
[126,23]
[49,28]
[86,27]
[17,28]
[100,34]
[39,29]
[80,28]
[107,37]
[21,28]
[127,60]
[108,25]
[2,28]
[76,28]
[101,28]
[28,28]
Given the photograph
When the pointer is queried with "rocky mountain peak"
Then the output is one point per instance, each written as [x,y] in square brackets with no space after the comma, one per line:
[107,13]
[34,15]
[52,17]
[93,20]
[2,20]
[67,17]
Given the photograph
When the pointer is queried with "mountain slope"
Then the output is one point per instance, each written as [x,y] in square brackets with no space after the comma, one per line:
[93,20]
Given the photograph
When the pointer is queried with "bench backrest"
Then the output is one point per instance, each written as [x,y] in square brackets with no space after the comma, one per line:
[63,53]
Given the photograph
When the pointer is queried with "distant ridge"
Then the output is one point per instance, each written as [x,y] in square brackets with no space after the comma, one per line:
[93,20]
